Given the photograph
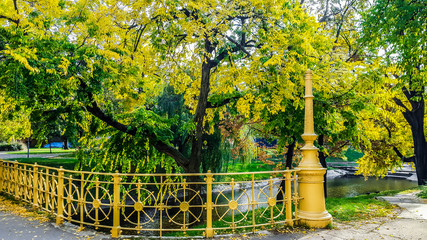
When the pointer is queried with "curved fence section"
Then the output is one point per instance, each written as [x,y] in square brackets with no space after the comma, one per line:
[157,204]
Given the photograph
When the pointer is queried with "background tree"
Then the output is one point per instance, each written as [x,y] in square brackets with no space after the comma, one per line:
[14,120]
[394,33]
[114,59]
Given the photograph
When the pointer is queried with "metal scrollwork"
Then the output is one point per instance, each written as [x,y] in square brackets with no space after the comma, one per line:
[276,207]
[95,201]
[191,202]
[233,204]
[142,202]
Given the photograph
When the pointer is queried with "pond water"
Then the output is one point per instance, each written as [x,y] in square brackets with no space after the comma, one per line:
[353,186]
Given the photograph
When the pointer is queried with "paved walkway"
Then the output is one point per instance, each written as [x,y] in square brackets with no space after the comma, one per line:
[409,223]
[13,227]
[6,156]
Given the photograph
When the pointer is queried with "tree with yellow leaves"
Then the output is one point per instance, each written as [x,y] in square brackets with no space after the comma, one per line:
[394,35]
[114,58]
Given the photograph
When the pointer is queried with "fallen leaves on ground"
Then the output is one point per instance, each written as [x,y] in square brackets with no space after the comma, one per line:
[17,208]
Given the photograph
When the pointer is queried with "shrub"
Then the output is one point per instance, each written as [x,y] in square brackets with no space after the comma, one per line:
[4,146]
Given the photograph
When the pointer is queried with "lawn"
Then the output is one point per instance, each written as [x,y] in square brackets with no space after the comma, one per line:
[67,163]
[350,154]
[360,207]
[423,193]
[255,166]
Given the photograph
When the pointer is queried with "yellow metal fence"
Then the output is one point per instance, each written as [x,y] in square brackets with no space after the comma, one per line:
[160,204]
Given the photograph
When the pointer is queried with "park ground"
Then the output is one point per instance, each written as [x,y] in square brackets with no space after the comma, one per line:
[390,215]
[406,220]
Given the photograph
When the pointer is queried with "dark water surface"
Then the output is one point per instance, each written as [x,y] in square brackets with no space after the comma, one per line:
[353,186]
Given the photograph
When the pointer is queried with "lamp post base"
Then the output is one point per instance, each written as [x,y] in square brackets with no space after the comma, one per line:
[314,220]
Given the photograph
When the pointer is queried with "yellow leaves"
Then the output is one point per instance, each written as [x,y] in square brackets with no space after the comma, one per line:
[258,107]
[243,107]
[19,209]
[64,65]
[14,124]
[276,59]
[22,55]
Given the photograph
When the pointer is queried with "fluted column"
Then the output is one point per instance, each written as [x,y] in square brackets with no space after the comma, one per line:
[312,211]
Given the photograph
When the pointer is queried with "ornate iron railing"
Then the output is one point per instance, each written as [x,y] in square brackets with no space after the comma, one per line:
[209,204]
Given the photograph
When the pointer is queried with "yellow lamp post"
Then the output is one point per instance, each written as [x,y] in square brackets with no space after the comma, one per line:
[312,211]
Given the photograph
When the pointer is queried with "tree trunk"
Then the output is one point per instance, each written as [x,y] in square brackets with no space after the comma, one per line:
[289,155]
[322,159]
[197,141]
[50,145]
[65,144]
[415,119]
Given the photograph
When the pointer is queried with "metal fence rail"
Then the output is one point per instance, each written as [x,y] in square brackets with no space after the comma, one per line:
[156,204]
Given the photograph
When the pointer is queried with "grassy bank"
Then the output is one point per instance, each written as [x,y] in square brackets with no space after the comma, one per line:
[360,207]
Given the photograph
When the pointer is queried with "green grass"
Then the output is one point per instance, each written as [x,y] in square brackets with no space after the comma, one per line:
[351,154]
[423,193]
[42,151]
[257,166]
[67,163]
[360,207]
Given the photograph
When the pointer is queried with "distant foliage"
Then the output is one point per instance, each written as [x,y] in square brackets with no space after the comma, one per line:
[4,146]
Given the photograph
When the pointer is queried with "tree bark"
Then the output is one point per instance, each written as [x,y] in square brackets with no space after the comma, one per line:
[65,143]
[197,140]
[322,159]
[288,165]
[415,119]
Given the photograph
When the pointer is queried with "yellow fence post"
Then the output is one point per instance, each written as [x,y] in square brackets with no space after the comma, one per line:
[46,190]
[115,231]
[15,166]
[1,176]
[312,211]
[35,186]
[209,205]
[288,194]
[253,202]
[60,195]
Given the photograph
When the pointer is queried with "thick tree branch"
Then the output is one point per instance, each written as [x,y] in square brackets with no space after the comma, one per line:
[408,95]
[400,103]
[224,102]
[162,147]
[400,155]
[241,47]
[221,56]
[138,38]
[10,19]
